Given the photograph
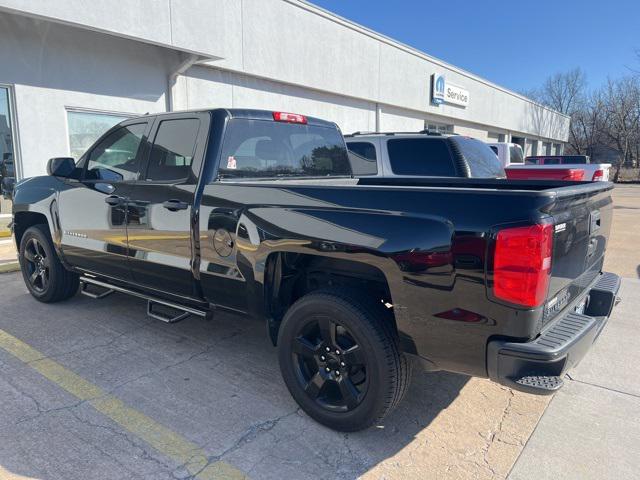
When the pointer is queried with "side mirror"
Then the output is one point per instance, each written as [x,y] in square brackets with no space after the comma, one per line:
[61,166]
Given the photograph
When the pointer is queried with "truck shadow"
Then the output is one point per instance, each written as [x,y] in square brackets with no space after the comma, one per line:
[224,375]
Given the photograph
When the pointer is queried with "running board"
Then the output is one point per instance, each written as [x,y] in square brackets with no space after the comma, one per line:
[151,301]
[105,291]
[164,317]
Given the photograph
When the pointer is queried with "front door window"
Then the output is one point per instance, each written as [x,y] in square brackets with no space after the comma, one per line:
[114,159]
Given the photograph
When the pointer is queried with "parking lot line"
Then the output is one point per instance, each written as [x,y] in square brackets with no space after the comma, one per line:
[164,440]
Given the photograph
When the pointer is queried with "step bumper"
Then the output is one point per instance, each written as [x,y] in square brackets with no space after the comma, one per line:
[539,365]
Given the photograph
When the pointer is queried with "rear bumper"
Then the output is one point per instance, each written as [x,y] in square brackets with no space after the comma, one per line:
[539,365]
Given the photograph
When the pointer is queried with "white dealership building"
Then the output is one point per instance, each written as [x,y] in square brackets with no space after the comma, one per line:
[69,69]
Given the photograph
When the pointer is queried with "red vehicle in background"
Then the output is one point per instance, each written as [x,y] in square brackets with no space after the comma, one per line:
[575,174]
[559,167]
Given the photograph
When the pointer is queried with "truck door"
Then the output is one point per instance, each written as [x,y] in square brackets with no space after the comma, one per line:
[161,205]
[92,211]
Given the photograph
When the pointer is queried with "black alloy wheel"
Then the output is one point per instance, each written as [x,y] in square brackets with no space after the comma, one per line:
[45,276]
[330,365]
[38,265]
[339,358]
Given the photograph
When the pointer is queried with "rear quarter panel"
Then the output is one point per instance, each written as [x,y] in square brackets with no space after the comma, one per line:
[383,227]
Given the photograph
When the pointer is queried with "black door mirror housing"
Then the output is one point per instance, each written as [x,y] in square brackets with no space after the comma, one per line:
[61,167]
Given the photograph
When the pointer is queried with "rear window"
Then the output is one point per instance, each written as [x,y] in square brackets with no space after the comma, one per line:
[421,156]
[574,159]
[558,160]
[362,156]
[482,162]
[265,149]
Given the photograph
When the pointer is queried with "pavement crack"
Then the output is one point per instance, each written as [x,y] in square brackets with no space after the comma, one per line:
[494,435]
[110,342]
[250,434]
[143,452]
[595,385]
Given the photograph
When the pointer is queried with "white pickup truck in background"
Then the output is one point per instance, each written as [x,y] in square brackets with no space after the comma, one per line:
[508,153]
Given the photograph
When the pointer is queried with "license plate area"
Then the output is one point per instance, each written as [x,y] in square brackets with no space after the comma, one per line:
[582,306]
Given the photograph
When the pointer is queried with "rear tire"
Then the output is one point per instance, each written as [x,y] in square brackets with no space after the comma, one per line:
[340,360]
[45,276]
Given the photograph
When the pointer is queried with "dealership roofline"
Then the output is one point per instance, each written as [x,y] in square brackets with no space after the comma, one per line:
[312,8]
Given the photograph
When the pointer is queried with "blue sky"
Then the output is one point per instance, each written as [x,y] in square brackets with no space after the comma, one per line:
[516,44]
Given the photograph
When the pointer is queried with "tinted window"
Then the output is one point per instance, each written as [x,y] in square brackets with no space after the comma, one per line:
[482,162]
[421,156]
[515,154]
[362,156]
[494,148]
[173,150]
[114,158]
[263,149]
[574,159]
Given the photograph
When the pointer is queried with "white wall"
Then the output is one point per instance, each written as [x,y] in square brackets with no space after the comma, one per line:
[294,42]
[197,26]
[204,87]
[53,66]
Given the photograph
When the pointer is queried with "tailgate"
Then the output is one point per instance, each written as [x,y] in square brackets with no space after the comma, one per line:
[582,222]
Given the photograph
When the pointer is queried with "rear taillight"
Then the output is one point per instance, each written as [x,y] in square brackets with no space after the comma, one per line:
[598,176]
[522,264]
[289,117]
[576,174]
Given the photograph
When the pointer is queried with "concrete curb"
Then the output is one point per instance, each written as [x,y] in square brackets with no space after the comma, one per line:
[9,267]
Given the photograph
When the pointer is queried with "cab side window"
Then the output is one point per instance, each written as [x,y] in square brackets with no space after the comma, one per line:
[173,149]
[362,156]
[114,159]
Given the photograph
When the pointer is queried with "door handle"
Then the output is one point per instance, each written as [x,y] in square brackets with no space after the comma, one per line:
[175,205]
[114,200]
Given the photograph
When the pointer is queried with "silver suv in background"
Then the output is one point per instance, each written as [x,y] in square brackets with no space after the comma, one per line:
[422,154]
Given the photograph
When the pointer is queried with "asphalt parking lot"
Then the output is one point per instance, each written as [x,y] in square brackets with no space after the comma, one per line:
[96,390]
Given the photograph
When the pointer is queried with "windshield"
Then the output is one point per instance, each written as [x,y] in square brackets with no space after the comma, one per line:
[267,149]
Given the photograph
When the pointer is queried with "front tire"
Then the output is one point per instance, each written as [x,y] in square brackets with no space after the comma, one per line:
[45,276]
[340,361]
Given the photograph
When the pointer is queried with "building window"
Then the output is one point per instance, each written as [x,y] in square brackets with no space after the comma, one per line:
[6,136]
[557,149]
[86,127]
[7,160]
[546,148]
[438,127]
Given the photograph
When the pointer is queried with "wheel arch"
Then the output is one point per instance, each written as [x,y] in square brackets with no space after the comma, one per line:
[22,221]
[289,276]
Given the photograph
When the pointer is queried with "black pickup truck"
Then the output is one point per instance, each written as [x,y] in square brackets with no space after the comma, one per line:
[356,280]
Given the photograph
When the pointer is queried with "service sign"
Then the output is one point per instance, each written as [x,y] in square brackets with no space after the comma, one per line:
[444,92]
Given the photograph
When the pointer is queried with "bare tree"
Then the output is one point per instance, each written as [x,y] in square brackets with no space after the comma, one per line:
[621,102]
[607,117]
[565,92]
[585,131]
